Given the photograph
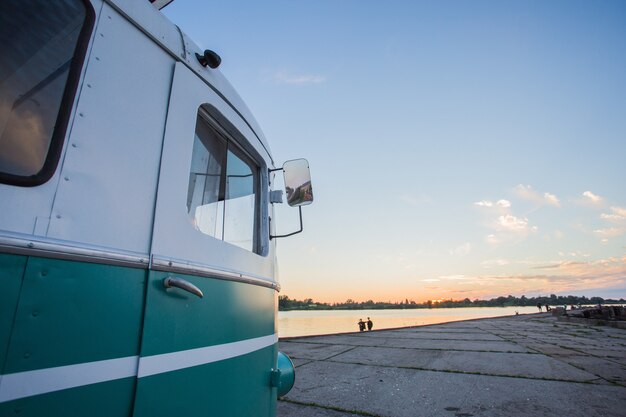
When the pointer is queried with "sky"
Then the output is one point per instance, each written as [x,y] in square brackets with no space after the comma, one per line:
[458,149]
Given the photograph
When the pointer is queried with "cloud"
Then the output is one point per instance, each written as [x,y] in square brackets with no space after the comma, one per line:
[551,199]
[610,232]
[462,250]
[618,228]
[560,277]
[591,197]
[492,239]
[303,79]
[488,203]
[453,277]
[510,223]
[620,211]
[494,262]
[527,192]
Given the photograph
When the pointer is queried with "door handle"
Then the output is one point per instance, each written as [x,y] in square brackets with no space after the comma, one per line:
[185,285]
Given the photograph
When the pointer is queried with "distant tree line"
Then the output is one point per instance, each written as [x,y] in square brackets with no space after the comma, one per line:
[285,303]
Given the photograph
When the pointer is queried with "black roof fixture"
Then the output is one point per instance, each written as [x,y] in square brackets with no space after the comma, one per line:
[209,58]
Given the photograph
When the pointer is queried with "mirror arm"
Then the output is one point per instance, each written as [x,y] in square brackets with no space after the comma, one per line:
[275,169]
[293,233]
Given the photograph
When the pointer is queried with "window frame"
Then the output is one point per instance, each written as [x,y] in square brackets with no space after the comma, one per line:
[57,139]
[234,146]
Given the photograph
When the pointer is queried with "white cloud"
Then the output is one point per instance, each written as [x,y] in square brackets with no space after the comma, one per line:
[510,223]
[592,197]
[610,232]
[453,277]
[492,239]
[612,217]
[462,250]
[302,79]
[488,203]
[618,219]
[494,262]
[619,211]
[527,192]
[551,199]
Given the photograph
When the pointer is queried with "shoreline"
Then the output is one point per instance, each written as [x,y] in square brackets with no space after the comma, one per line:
[287,338]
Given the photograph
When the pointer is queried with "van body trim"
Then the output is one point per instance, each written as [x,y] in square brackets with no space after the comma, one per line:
[21,245]
[170,265]
[26,245]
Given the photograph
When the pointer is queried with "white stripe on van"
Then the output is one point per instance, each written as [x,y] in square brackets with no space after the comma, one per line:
[167,362]
[41,381]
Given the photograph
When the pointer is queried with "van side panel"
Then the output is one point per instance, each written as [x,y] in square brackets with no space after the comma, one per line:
[73,313]
[110,171]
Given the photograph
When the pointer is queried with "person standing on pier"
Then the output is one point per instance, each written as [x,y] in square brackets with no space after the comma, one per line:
[539,307]
[370,324]
[361,324]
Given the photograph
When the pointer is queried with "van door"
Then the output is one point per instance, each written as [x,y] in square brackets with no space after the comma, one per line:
[209,339]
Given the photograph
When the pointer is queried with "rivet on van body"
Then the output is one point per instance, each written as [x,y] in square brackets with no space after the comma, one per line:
[74,145]
[89,85]
[35,313]
[58,216]
[81,114]
[26,355]
[66,178]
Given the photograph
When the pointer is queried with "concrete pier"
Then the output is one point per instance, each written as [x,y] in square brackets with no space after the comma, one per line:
[527,365]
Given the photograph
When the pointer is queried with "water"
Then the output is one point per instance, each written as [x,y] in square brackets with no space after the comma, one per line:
[308,323]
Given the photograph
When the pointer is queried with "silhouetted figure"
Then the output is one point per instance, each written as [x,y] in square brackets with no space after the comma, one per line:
[361,324]
[370,324]
[539,307]
[548,308]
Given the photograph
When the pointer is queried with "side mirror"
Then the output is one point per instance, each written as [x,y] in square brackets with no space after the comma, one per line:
[298,182]
[297,187]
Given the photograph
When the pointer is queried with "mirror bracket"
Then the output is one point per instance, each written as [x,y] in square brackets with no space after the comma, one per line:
[293,233]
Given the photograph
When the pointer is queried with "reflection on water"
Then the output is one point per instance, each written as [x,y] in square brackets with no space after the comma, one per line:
[307,323]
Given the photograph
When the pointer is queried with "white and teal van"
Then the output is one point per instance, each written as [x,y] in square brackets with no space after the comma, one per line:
[137,256]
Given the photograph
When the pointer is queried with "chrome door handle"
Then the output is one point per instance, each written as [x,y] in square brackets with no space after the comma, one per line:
[170,282]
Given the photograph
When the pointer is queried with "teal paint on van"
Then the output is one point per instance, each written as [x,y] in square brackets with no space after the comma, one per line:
[11,274]
[74,312]
[230,311]
[235,387]
[107,399]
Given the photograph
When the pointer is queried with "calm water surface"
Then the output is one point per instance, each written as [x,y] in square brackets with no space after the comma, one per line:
[308,323]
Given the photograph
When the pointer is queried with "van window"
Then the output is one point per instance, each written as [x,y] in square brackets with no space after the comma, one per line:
[222,197]
[42,45]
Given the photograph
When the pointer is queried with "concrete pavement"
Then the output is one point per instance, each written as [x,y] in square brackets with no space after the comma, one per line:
[528,365]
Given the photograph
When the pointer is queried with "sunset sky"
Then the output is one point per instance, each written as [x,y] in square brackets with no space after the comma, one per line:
[457,148]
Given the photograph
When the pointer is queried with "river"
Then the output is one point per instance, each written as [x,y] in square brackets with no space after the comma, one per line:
[311,322]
